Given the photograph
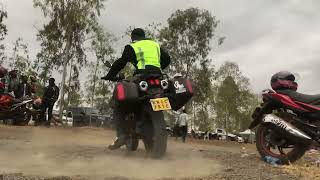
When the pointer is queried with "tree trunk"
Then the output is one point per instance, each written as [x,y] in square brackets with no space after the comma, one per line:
[94,87]
[67,57]
[69,83]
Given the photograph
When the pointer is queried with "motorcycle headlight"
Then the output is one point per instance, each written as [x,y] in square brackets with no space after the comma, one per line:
[164,84]
[143,86]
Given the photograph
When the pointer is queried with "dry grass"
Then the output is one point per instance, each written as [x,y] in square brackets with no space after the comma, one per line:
[307,168]
[303,171]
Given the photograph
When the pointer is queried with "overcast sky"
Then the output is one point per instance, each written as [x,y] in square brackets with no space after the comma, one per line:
[263,37]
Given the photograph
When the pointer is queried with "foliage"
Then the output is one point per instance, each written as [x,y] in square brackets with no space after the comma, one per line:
[203,96]
[70,21]
[3,33]
[234,101]
[99,92]
[20,59]
[187,38]
[70,24]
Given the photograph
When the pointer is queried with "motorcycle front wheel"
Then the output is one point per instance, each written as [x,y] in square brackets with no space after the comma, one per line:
[22,119]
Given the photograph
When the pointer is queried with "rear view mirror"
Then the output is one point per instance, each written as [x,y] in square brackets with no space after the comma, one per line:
[107,63]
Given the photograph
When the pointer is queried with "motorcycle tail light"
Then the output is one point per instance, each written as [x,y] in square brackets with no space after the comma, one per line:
[143,86]
[120,92]
[164,84]
[157,81]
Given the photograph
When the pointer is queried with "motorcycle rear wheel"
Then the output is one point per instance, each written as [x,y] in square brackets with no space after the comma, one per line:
[157,146]
[265,147]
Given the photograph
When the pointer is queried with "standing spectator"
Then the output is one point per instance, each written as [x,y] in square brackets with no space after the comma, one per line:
[23,89]
[50,96]
[182,122]
[13,81]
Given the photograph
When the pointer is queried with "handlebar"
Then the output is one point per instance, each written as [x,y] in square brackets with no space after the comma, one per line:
[118,78]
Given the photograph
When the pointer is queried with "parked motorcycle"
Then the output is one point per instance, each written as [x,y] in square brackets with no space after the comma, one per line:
[15,110]
[288,122]
[143,101]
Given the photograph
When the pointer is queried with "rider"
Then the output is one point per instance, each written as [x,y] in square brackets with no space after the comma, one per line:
[148,58]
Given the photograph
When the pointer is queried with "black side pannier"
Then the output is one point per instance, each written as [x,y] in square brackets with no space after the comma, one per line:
[126,93]
[181,92]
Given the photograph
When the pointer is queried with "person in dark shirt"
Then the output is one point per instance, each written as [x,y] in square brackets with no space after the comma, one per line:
[148,58]
[23,89]
[50,96]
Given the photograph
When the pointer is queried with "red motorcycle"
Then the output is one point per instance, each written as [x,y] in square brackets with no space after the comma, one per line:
[288,122]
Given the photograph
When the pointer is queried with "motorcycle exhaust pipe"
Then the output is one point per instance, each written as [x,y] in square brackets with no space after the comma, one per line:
[288,129]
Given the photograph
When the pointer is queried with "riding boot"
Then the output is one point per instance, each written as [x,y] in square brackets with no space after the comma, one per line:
[120,139]
[121,133]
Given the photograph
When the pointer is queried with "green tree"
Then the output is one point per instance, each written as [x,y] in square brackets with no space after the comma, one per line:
[70,23]
[203,103]
[20,59]
[3,33]
[73,88]
[98,91]
[234,100]
[187,37]
[227,103]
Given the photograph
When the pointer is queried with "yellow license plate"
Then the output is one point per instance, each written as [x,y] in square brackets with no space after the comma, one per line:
[160,104]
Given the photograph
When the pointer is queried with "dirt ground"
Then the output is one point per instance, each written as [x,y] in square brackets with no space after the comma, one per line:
[80,153]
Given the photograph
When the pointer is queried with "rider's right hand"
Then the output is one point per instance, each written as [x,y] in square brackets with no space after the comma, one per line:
[104,78]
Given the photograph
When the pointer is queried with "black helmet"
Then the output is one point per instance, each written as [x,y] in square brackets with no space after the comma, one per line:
[138,34]
[284,80]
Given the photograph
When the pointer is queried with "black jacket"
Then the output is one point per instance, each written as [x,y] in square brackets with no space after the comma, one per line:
[23,89]
[129,55]
[51,94]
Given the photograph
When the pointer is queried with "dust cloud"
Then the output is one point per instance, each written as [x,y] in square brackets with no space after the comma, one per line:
[82,152]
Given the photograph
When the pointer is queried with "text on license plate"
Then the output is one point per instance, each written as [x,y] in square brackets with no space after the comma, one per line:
[160,104]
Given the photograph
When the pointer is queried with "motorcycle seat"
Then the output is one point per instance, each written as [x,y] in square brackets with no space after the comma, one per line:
[309,99]
[149,76]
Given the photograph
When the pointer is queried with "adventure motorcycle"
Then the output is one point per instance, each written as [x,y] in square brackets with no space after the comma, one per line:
[288,122]
[17,110]
[142,102]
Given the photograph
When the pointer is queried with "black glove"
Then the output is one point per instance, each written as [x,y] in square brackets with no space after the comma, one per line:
[109,78]
[104,78]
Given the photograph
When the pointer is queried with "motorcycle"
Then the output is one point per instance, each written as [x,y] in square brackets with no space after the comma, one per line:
[288,124]
[18,112]
[142,102]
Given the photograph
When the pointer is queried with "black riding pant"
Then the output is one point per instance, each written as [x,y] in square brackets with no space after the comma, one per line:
[46,106]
